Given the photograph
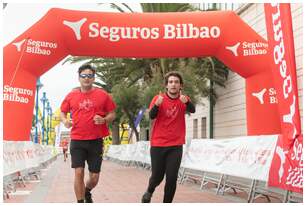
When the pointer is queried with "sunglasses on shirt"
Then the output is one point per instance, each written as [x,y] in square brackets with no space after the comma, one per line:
[90,76]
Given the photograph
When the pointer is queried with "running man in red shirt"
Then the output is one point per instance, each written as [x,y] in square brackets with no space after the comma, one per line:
[91,109]
[168,136]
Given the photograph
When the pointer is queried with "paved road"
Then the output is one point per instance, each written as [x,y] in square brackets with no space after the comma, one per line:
[118,184]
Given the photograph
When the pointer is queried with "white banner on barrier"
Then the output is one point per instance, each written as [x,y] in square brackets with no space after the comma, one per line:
[139,152]
[248,156]
[21,155]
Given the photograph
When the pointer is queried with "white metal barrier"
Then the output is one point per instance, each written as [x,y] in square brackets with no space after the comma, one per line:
[237,163]
[22,161]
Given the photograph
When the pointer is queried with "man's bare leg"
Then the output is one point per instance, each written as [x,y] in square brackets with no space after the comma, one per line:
[90,184]
[79,186]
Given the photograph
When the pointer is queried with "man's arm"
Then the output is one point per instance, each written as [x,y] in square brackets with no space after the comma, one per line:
[190,107]
[64,120]
[153,112]
[110,117]
[186,100]
[107,119]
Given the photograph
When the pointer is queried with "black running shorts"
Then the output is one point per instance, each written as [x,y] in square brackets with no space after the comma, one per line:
[87,150]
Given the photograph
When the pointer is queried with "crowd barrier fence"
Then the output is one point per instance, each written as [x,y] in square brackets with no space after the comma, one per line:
[240,163]
[23,161]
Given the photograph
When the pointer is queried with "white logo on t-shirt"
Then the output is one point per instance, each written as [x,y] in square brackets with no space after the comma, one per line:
[86,104]
[171,112]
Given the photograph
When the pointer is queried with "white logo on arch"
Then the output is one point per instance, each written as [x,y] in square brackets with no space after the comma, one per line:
[19,45]
[234,48]
[76,27]
[260,95]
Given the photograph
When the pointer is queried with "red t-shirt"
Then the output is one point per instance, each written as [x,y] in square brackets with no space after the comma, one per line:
[169,127]
[84,106]
[65,144]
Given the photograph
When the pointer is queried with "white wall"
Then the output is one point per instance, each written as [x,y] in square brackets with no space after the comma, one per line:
[202,110]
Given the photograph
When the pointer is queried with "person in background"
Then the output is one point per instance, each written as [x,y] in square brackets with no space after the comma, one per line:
[65,148]
[92,109]
[167,110]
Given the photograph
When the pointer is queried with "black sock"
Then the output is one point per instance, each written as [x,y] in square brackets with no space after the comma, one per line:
[81,201]
[87,190]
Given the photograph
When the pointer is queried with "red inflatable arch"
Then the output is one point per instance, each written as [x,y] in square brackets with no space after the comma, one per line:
[144,35]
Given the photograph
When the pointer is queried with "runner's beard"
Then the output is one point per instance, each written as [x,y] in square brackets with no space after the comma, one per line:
[173,93]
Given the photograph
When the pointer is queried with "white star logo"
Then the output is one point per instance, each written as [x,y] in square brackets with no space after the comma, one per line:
[234,48]
[19,45]
[76,27]
[260,95]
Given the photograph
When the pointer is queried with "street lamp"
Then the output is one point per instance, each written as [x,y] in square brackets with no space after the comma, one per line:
[39,85]
[50,113]
[47,126]
[43,100]
[49,121]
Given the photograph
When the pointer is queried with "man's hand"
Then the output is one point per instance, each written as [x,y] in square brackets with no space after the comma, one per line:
[99,119]
[160,99]
[183,98]
[68,123]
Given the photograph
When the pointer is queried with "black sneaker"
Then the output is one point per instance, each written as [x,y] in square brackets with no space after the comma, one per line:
[146,198]
[88,198]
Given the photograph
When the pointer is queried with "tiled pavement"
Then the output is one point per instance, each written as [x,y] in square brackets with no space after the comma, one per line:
[118,184]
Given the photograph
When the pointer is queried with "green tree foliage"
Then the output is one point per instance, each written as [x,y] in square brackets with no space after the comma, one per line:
[128,101]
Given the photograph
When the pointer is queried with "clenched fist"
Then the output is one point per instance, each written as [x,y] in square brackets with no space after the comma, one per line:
[183,98]
[68,123]
[99,120]
[160,99]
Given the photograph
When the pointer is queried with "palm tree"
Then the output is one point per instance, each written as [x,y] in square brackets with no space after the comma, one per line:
[162,64]
[217,75]
[156,7]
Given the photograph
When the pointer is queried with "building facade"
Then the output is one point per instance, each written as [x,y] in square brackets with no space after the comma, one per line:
[229,116]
